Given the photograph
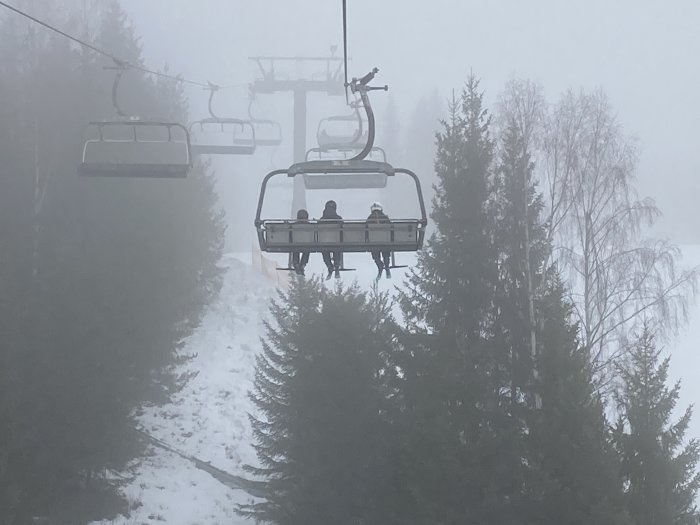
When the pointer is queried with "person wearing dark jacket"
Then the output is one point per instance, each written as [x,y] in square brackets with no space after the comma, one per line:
[381,259]
[332,259]
[300,259]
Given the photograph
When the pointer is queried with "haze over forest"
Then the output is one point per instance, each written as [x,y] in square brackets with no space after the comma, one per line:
[530,356]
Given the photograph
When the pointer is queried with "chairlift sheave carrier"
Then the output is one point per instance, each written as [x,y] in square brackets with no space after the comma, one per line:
[129,146]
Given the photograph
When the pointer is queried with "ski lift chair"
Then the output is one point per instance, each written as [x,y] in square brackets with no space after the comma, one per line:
[267,133]
[289,235]
[129,146]
[223,136]
[376,153]
[341,131]
[135,148]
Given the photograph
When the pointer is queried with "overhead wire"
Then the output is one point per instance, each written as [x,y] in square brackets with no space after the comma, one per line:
[119,62]
[345,50]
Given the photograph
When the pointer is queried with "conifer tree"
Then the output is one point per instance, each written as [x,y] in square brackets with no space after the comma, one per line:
[322,433]
[573,474]
[659,466]
[449,392]
[104,277]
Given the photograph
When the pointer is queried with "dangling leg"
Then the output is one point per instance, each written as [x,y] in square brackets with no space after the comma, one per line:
[329,264]
[387,263]
[304,261]
[337,263]
[378,261]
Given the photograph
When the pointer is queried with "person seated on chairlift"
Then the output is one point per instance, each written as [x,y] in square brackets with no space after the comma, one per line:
[332,259]
[381,259]
[301,259]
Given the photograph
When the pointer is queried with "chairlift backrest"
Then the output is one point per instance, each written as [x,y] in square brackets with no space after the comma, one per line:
[136,148]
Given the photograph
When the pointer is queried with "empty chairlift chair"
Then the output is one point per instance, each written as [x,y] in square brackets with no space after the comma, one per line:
[129,146]
[135,148]
[267,133]
[345,153]
[216,135]
[223,136]
[341,131]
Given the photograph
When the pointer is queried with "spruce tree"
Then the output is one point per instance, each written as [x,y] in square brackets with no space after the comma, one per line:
[659,466]
[449,392]
[322,433]
[573,474]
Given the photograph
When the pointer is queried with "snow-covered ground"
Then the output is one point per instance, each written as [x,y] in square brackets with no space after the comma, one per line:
[208,419]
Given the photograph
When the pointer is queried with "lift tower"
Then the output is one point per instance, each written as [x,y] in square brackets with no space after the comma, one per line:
[329,81]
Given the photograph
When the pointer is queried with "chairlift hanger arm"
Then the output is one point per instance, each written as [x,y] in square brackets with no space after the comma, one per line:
[119,68]
[361,86]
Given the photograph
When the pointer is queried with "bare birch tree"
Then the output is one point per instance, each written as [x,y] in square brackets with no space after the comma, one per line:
[595,220]
[597,224]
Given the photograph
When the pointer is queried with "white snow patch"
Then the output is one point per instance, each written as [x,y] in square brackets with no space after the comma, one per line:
[208,419]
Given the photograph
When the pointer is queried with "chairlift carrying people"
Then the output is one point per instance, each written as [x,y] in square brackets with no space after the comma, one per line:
[338,235]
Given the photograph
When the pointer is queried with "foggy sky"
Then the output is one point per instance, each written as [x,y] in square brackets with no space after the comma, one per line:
[644,54]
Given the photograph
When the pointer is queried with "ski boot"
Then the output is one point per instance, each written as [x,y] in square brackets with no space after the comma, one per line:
[380,269]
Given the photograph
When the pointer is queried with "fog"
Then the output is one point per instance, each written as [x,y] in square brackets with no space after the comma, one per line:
[134,302]
[643,55]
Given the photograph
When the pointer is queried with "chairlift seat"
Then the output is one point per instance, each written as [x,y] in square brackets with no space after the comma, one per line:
[220,137]
[112,157]
[284,236]
[272,137]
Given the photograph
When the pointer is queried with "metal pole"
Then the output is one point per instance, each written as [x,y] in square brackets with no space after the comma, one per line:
[299,195]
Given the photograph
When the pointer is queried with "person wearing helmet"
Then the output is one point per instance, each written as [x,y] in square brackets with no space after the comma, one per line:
[332,259]
[381,259]
[300,259]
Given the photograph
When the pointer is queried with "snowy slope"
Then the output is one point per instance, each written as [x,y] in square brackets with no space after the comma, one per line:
[208,418]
